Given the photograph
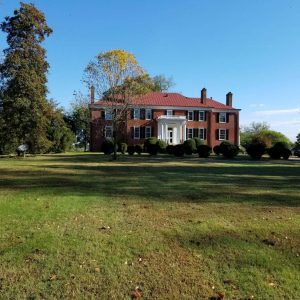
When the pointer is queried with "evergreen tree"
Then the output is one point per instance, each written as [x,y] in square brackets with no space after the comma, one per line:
[23,81]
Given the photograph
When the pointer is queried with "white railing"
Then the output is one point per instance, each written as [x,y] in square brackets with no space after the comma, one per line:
[172,117]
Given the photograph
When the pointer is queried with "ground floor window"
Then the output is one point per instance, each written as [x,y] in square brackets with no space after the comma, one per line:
[136,133]
[108,131]
[190,133]
[147,132]
[202,134]
[222,134]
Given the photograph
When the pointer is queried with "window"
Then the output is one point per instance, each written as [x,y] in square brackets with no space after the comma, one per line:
[136,133]
[190,115]
[222,117]
[202,133]
[201,115]
[136,113]
[169,112]
[108,114]
[148,113]
[222,134]
[108,131]
[190,133]
[147,132]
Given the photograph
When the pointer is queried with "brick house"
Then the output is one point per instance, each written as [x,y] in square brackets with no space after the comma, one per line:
[171,117]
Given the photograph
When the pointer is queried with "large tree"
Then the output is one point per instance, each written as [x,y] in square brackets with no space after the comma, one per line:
[115,74]
[162,83]
[23,80]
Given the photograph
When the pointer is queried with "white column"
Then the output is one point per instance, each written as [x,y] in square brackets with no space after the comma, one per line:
[184,132]
[166,129]
[180,133]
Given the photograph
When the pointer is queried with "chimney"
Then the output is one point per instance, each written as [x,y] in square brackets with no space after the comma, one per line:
[203,96]
[229,99]
[92,94]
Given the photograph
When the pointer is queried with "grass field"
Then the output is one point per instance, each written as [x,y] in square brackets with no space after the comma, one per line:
[78,226]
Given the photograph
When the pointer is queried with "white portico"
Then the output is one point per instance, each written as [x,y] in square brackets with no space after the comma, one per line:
[172,129]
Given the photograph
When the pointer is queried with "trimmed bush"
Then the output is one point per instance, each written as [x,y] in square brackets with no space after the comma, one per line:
[217,149]
[198,142]
[161,146]
[150,146]
[108,146]
[256,150]
[178,150]
[138,149]
[131,150]
[123,148]
[170,149]
[229,150]
[203,150]
[189,146]
[279,150]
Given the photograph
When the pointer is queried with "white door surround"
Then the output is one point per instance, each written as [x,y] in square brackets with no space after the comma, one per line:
[172,129]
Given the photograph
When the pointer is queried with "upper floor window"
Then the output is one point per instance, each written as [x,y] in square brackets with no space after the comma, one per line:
[148,113]
[201,115]
[147,132]
[190,115]
[136,133]
[136,113]
[222,117]
[108,131]
[222,134]
[108,114]
[169,112]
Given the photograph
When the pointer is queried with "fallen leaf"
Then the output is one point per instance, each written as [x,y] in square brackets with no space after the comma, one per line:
[97,270]
[53,277]
[136,294]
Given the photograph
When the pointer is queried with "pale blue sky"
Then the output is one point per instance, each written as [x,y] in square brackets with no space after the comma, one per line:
[249,47]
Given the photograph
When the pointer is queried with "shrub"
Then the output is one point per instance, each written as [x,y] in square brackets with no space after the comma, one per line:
[189,146]
[123,148]
[279,150]
[217,149]
[150,146]
[170,149]
[198,142]
[161,146]
[131,150]
[204,150]
[150,141]
[108,146]
[178,150]
[229,150]
[138,149]
[256,150]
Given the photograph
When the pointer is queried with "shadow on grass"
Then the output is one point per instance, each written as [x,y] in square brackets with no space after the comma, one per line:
[194,180]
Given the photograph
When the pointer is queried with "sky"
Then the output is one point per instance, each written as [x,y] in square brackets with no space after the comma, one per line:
[248,47]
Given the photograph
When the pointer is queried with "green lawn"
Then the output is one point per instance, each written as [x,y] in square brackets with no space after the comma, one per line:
[78,226]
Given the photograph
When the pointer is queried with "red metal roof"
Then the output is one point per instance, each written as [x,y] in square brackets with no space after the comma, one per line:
[172,99]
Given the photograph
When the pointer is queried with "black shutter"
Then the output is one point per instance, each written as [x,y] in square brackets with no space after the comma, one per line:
[166,112]
[227,117]
[151,114]
[196,132]
[142,132]
[196,115]
[205,134]
[132,132]
[205,115]
[217,134]
[152,131]
[187,133]
[142,112]
[103,114]
[218,118]
[227,134]
[132,113]
[173,112]
[187,114]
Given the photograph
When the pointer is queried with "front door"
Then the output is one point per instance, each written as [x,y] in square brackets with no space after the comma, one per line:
[170,136]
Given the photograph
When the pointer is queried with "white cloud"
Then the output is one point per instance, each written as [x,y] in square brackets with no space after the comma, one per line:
[259,105]
[277,112]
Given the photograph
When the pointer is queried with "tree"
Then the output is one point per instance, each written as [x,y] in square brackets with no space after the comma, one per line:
[261,133]
[162,84]
[297,143]
[113,74]
[59,134]
[79,120]
[23,80]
